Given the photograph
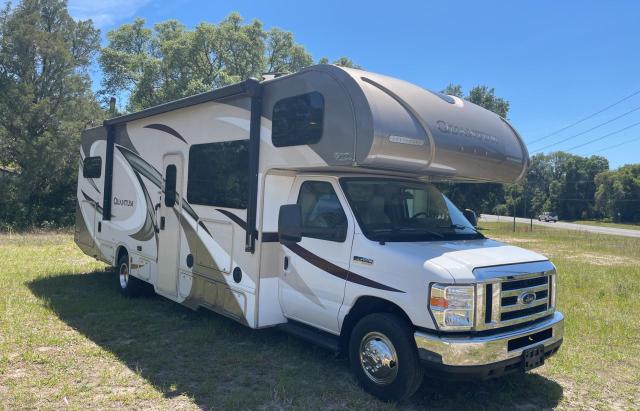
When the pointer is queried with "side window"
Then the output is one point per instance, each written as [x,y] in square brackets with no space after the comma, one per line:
[322,213]
[298,120]
[170,186]
[92,167]
[219,174]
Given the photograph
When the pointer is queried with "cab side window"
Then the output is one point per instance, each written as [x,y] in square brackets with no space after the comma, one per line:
[322,213]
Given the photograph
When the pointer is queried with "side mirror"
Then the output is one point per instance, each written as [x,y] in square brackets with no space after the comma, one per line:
[290,224]
[471,216]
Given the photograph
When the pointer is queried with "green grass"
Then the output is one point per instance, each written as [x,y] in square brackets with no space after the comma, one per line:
[69,340]
[628,226]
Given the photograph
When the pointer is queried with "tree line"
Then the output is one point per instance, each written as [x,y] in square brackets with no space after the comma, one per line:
[46,100]
[572,186]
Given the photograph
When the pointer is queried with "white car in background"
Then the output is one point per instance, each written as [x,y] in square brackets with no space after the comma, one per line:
[548,216]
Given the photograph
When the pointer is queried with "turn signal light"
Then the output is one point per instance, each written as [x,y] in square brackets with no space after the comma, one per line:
[439,302]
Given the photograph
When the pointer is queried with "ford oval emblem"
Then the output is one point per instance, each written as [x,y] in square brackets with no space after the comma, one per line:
[527,297]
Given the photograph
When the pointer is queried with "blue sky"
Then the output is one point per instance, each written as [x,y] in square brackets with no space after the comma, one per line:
[556,61]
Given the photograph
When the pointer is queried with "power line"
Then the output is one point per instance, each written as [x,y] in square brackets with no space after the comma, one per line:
[615,145]
[605,136]
[585,118]
[591,129]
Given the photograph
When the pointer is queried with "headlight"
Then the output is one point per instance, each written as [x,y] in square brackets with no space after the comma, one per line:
[452,306]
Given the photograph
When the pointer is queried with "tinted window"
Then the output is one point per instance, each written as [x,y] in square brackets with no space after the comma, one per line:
[92,167]
[170,186]
[298,120]
[219,174]
[322,214]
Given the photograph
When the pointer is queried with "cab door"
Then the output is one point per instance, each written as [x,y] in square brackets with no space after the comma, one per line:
[169,224]
[314,274]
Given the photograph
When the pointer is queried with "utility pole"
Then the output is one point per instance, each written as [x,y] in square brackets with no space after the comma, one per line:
[524,203]
[514,214]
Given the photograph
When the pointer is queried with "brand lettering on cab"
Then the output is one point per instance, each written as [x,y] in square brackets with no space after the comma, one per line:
[122,202]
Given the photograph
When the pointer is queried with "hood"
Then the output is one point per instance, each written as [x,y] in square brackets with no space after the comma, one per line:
[460,258]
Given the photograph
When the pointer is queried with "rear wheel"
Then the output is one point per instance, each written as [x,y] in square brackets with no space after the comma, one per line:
[384,357]
[129,286]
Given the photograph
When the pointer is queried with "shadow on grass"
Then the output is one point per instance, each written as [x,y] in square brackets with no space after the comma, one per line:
[219,363]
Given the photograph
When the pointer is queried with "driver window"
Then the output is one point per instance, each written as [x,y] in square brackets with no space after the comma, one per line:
[322,213]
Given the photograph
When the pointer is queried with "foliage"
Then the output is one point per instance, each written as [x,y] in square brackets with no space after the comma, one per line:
[559,182]
[152,66]
[46,101]
[44,104]
[482,96]
[618,193]
[342,62]
[563,183]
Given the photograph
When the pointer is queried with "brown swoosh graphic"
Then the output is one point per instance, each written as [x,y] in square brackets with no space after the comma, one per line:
[166,129]
[234,218]
[314,259]
[335,270]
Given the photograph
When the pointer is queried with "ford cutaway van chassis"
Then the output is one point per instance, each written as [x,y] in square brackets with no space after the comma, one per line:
[306,202]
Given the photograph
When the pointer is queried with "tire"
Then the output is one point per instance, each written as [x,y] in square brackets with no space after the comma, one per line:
[129,285]
[385,337]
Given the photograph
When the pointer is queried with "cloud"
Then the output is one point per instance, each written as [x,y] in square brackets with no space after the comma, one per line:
[105,13]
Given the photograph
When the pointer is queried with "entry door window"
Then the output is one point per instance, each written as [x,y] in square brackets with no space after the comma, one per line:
[170,186]
[322,214]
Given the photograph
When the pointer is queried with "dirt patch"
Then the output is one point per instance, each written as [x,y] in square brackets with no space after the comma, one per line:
[513,240]
[604,259]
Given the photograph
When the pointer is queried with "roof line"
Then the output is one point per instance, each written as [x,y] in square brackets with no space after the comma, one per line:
[245,87]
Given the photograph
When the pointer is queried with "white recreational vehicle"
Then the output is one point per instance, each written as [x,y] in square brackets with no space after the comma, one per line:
[305,202]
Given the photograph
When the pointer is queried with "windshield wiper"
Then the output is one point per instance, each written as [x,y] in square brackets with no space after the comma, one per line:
[411,230]
[418,231]
[459,227]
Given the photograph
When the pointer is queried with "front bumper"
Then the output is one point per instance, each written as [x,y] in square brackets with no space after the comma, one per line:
[488,355]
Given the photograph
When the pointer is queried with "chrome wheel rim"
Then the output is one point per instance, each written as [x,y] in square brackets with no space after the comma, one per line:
[378,358]
[124,275]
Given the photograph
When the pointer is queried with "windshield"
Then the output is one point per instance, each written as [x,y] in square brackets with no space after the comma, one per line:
[400,210]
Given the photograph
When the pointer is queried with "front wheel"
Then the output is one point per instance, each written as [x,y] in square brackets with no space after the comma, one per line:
[384,357]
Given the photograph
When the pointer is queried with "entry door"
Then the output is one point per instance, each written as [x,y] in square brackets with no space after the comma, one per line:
[313,280]
[169,224]
[87,236]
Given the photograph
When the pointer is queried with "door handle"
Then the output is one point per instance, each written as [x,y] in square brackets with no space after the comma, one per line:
[162,223]
[286,263]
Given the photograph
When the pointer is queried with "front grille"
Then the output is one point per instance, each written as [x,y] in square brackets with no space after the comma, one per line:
[509,300]
[523,313]
[522,284]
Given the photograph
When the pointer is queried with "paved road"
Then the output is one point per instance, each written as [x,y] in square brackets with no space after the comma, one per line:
[566,226]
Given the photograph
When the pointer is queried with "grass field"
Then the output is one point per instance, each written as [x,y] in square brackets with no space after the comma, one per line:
[628,226]
[68,340]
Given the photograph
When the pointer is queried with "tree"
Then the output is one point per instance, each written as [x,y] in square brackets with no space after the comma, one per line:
[618,193]
[482,96]
[152,66]
[45,102]
[563,183]
[342,62]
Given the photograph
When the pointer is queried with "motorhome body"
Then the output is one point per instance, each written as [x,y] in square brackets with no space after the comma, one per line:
[304,202]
